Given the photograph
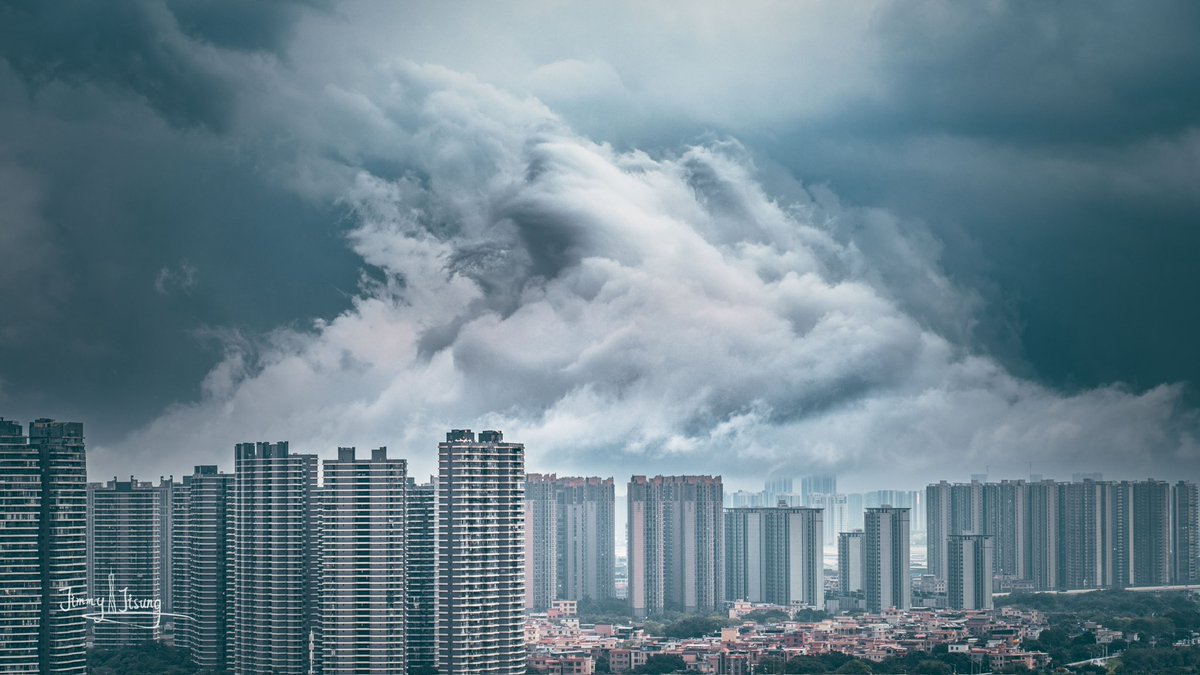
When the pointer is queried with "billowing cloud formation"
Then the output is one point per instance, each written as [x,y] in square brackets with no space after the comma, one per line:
[620,312]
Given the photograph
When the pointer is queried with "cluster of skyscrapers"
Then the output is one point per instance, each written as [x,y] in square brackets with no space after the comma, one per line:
[688,554]
[267,569]
[1050,535]
[291,565]
[569,539]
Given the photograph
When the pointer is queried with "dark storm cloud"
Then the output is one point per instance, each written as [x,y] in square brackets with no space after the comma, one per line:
[132,45]
[1058,73]
[680,316]
[211,177]
[1052,150]
[132,234]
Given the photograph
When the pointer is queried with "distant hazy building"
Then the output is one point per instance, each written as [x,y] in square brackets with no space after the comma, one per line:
[274,560]
[774,488]
[836,518]
[127,548]
[481,594]
[969,583]
[541,536]
[585,539]
[743,498]
[850,562]
[817,484]
[676,552]
[362,588]
[43,547]
[201,562]
[887,580]
[774,555]
[913,500]
[421,571]
[856,505]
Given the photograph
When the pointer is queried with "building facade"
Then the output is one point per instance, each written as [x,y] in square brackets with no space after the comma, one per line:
[128,551]
[421,570]
[201,563]
[586,556]
[1185,532]
[481,560]
[774,555]
[363,577]
[887,580]
[969,585]
[541,541]
[43,547]
[850,563]
[676,548]
[274,560]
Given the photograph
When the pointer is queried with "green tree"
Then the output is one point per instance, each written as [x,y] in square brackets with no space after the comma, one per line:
[854,666]
[662,663]
[766,616]
[692,626]
[932,667]
[804,664]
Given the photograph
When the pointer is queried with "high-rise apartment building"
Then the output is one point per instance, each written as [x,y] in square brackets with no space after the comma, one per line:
[887,580]
[1185,533]
[676,552]
[201,563]
[541,541]
[1007,522]
[20,566]
[481,593]
[421,570]
[274,560]
[1043,549]
[937,527]
[128,541]
[362,586]
[586,544]
[956,508]
[43,548]
[774,555]
[969,582]
[1151,533]
[850,562]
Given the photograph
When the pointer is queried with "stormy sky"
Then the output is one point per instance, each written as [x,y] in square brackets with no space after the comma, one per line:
[899,241]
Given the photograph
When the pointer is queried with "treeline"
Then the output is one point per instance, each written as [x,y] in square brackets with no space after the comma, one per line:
[1153,620]
[1156,618]
[144,659]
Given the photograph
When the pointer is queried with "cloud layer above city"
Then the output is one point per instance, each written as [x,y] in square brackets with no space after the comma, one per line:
[330,234]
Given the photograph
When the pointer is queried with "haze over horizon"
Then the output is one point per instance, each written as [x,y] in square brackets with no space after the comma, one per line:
[899,242]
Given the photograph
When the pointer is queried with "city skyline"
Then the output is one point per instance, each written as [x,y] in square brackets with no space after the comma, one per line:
[347,224]
[286,568]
